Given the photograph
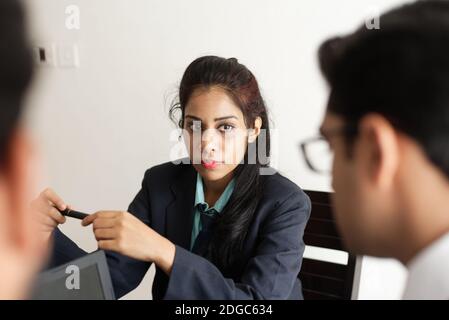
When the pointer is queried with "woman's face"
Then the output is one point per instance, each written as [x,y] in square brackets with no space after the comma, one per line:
[215,133]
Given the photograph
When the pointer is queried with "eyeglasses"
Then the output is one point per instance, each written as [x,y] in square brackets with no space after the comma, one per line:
[316,151]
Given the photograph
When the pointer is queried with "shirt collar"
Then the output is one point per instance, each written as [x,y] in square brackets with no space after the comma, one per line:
[221,202]
[428,276]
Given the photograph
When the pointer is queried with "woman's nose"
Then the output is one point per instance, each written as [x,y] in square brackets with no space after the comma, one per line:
[209,141]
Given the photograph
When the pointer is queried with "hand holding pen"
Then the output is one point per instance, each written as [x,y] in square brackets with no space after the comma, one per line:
[52,210]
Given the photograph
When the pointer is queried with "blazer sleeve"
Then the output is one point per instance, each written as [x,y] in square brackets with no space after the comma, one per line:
[126,273]
[269,274]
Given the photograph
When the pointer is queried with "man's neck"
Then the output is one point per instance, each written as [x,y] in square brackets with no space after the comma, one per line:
[425,213]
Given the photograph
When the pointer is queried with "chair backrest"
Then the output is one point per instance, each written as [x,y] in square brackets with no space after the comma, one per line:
[322,279]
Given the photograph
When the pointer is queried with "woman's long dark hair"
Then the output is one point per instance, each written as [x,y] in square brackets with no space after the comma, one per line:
[231,226]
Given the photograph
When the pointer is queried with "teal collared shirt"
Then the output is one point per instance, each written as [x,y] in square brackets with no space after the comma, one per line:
[199,200]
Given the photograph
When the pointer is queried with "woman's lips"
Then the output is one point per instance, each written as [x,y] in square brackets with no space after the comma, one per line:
[209,164]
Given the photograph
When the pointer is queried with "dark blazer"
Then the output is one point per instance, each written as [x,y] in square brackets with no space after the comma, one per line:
[268,267]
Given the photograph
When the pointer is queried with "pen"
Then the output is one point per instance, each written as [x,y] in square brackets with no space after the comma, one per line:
[72,213]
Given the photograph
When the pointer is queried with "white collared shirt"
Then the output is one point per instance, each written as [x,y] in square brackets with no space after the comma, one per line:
[428,276]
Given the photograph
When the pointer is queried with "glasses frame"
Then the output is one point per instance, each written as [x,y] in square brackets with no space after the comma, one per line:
[348,130]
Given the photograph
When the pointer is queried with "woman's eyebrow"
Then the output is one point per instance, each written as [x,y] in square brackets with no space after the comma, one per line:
[193,117]
[224,118]
[216,119]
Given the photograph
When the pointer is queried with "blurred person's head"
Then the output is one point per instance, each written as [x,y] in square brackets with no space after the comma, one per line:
[19,248]
[16,69]
[387,122]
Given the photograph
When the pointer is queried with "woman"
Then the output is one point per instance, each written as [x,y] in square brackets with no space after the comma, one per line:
[217,227]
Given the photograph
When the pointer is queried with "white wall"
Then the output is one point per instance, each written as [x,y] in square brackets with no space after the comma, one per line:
[101,125]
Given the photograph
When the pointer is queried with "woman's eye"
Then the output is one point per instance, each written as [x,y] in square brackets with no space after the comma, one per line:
[226,128]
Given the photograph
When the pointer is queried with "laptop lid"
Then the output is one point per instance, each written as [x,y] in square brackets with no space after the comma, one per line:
[86,278]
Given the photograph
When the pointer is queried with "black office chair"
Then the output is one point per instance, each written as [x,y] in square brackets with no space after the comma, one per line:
[322,280]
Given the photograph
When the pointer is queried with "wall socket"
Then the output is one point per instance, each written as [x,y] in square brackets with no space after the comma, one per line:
[57,55]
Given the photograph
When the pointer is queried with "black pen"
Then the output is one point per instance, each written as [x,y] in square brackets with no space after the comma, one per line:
[72,213]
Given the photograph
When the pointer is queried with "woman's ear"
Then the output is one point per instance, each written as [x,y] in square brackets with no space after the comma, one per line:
[254,133]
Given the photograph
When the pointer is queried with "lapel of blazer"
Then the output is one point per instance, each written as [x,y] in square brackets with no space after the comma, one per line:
[179,219]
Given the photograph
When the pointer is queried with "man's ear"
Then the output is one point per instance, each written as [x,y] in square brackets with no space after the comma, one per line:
[379,149]
[254,133]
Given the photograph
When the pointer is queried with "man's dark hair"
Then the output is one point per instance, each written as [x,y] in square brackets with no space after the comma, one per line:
[16,68]
[400,71]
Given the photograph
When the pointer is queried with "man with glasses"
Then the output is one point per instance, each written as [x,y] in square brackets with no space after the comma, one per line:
[386,134]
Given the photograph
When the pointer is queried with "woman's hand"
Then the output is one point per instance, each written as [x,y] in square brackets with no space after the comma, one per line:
[45,212]
[124,233]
